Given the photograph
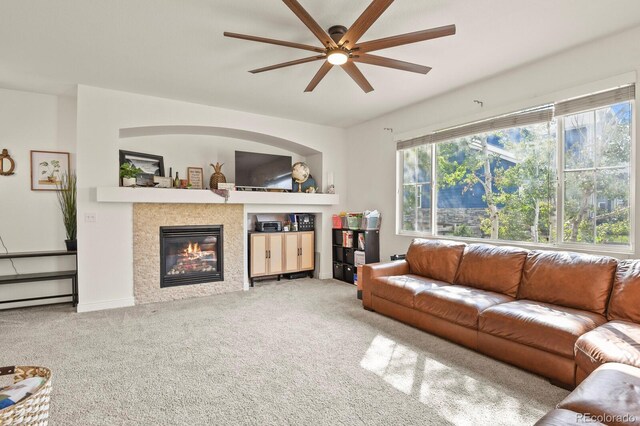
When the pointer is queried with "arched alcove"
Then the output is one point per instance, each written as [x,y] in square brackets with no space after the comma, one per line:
[295,147]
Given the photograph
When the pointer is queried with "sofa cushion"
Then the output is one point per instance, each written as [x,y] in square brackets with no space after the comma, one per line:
[492,268]
[615,341]
[573,280]
[458,304]
[543,326]
[625,296]
[612,393]
[437,259]
[402,288]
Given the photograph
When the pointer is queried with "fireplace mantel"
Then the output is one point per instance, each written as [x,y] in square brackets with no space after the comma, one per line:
[204,196]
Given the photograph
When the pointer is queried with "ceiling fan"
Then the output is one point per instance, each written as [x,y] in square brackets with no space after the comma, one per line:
[341,47]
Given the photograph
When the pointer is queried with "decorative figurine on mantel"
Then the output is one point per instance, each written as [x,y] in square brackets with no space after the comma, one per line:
[302,179]
[217,177]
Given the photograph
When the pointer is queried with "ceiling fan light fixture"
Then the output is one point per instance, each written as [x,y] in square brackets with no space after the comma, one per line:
[337,57]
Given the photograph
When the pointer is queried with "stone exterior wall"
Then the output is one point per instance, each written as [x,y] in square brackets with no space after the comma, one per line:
[147,220]
[449,219]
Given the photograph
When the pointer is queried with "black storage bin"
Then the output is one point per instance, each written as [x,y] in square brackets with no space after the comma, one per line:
[338,271]
[348,256]
[337,236]
[349,270]
[338,254]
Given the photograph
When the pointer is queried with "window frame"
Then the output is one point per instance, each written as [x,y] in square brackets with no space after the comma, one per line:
[560,191]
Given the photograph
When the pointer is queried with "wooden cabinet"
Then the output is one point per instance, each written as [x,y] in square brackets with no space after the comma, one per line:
[299,251]
[281,253]
[266,254]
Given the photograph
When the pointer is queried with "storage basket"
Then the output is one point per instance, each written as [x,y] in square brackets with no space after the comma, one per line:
[343,219]
[337,221]
[34,409]
[371,223]
[353,221]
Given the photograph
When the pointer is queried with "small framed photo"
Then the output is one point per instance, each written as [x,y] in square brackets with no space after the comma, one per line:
[151,165]
[196,177]
[47,168]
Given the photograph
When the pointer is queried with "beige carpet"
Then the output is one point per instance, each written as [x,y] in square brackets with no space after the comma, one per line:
[296,352]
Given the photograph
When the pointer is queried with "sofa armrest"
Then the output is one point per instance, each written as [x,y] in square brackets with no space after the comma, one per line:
[374,270]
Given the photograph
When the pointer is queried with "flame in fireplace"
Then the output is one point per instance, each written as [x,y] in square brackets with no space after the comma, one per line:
[193,248]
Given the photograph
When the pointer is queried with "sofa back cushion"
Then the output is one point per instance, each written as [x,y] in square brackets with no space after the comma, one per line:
[492,268]
[437,259]
[625,296]
[573,280]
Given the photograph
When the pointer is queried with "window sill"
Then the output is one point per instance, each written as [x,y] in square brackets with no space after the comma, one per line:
[614,251]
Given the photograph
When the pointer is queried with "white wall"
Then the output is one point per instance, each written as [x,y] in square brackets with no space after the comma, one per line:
[182,151]
[31,220]
[105,260]
[587,68]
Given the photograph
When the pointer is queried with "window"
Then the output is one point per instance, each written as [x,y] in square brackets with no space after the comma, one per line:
[498,185]
[550,175]
[416,189]
[597,157]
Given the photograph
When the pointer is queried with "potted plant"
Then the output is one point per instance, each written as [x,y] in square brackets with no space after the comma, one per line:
[67,198]
[129,173]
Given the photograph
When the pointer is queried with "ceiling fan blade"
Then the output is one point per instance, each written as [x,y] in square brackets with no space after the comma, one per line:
[287,64]
[306,19]
[357,76]
[399,40]
[273,41]
[324,69]
[364,21]
[391,63]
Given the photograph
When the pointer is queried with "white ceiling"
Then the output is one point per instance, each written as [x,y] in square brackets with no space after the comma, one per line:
[175,48]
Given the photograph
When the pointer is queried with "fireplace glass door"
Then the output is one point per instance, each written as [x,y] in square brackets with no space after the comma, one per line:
[190,255]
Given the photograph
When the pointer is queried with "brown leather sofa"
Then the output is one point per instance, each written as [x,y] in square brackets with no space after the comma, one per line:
[610,395]
[558,314]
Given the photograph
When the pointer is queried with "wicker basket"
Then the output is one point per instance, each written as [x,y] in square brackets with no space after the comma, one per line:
[34,409]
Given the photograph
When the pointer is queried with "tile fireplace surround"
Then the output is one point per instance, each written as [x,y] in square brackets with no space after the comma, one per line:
[147,220]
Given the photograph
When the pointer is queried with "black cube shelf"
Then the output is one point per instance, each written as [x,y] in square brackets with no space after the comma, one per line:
[346,242]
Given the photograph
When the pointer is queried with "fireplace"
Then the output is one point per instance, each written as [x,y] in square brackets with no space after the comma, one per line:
[190,255]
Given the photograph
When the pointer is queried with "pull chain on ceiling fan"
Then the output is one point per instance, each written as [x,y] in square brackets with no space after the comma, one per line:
[341,47]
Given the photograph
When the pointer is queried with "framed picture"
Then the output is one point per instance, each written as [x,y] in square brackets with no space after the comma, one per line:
[196,177]
[47,167]
[151,165]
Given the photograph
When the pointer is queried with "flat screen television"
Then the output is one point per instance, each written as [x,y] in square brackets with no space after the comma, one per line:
[254,170]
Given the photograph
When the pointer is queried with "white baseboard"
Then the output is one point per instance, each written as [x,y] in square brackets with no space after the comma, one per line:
[106,304]
[325,275]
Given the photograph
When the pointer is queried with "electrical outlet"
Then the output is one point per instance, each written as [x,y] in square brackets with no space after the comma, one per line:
[90,217]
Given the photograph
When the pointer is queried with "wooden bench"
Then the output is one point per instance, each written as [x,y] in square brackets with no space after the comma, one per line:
[42,276]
